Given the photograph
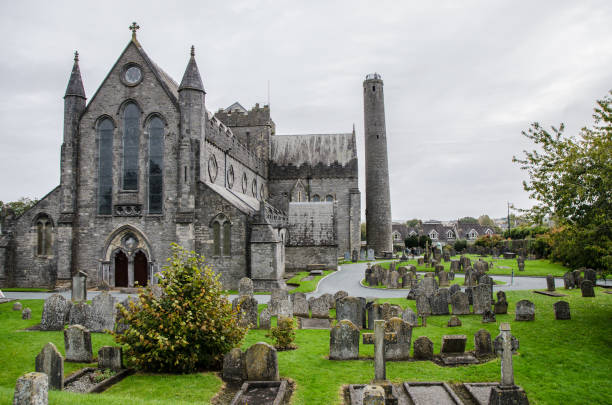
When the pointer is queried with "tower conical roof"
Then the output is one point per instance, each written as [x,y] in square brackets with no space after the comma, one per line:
[75,84]
[191,78]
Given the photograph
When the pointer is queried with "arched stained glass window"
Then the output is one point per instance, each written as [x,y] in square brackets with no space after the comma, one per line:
[156,165]
[316,198]
[329,198]
[131,143]
[105,166]
[227,241]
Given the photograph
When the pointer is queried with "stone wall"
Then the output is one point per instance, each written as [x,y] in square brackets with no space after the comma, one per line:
[297,258]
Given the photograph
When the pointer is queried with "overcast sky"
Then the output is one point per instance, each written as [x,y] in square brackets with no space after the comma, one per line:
[462,80]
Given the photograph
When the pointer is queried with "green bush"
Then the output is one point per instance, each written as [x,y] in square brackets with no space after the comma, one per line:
[189,326]
[460,244]
[283,334]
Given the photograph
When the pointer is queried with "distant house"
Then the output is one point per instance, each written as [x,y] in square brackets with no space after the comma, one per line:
[471,232]
[444,233]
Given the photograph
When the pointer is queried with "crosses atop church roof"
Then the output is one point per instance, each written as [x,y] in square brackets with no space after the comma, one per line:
[134,27]
[76,56]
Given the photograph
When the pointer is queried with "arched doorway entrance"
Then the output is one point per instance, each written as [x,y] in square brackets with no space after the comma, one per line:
[121,269]
[141,272]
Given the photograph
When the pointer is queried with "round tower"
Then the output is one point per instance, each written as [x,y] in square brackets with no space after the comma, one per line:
[378,197]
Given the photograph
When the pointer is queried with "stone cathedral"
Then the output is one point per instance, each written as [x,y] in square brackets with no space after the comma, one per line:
[145,164]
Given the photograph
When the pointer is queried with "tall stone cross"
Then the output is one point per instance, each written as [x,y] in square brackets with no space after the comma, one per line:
[379,338]
[134,27]
[507,370]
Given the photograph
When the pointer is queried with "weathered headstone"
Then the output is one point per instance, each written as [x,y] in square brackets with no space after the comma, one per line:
[80,314]
[261,363]
[482,343]
[320,307]
[77,343]
[423,305]
[247,307]
[470,278]
[439,302]
[340,294]
[591,275]
[443,277]
[455,266]
[278,297]
[233,366]
[300,305]
[497,344]
[331,302]
[423,348]
[488,316]
[353,309]
[103,313]
[453,322]
[501,296]
[587,288]
[344,341]
[371,254]
[500,307]
[245,287]
[393,279]
[32,389]
[562,310]
[453,289]
[373,395]
[26,313]
[400,348]
[110,357]
[453,344]
[482,298]
[264,319]
[525,311]
[51,362]
[550,283]
[55,313]
[410,316]
[568,280]
[507,392]
[79,287]
[460,303]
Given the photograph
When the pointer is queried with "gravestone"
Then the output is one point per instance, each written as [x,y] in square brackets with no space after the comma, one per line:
[400,348]
[32,389]
[80,314]
[481,298]
[51,362]
[500,307]
[261,363]
[344,341]
[374,313]
[562,310]
[591,275]
[470,278]
[347,256]
[568,281]
[300,304]
[278,297]
[550,283]
[264,319]
[486,280]
[488,316]
[340,294]
[26,314]
[423,348]
[453,322]
[423,305]
[110,357]
[577,278]
[371,254]
[17,306]
[482,343]
[354,256]
[362,254]
[525,311]
[443,277]
[373,395]
[420,261]
[407,280]
[501,296]
[393,279]
[587,288]
[428,285]
[247,307]
[320,307]
[453,289]
[353,309]
[455,266]
[497,345]
[55,313]
[439,302]
[460,303]
[233,366]
[410,316]
[79,287]
[103,313]
[380,339]
[331,302]
[520,263]
[77,344]
[507,392]
[245,287]
[453,344]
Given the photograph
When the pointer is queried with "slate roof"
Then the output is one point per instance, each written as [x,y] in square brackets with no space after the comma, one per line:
[191,78]
[75,84]
[236,106]
[481,230]
[248,205]
[313,149]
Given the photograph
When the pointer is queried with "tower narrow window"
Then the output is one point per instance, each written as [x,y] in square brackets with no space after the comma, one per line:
[44,236]
[227,239]
[156,165]
[217,239]
[131,142]
[105,166]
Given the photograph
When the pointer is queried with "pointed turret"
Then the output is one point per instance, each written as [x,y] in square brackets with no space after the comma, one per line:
[191,78]
[75,84]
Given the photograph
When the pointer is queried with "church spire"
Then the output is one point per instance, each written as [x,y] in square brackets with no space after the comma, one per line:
[191,78]
[75,84]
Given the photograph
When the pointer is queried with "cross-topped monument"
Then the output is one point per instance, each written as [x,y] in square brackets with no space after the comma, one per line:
[134,27]
[379,338]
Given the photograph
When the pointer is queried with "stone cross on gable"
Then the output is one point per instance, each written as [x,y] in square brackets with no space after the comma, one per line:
[134,27]
[379,338]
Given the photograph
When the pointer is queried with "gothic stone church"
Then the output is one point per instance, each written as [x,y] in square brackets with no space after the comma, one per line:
[145,164]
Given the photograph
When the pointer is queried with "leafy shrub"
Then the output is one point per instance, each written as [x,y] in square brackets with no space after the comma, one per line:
[283,334]
[488,241]
[460,244]
[186,327]
[411,241]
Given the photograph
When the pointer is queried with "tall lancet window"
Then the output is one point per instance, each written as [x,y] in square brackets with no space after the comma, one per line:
[131,143]
[105,166]
[156,164]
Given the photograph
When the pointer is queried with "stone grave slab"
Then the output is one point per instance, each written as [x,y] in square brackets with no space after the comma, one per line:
[480,392]
[459,359]
[314,323]
[261,393]
[426,393]
[550,293]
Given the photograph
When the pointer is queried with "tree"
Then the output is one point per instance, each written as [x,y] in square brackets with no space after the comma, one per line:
[413,222]
[188,325]
[485,220]
[424,239]
[571,179]
[411,241]
[18,207]
[467,220]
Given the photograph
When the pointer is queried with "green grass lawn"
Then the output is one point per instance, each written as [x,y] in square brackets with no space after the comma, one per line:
[559,361]
[540,267]
[306,286]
